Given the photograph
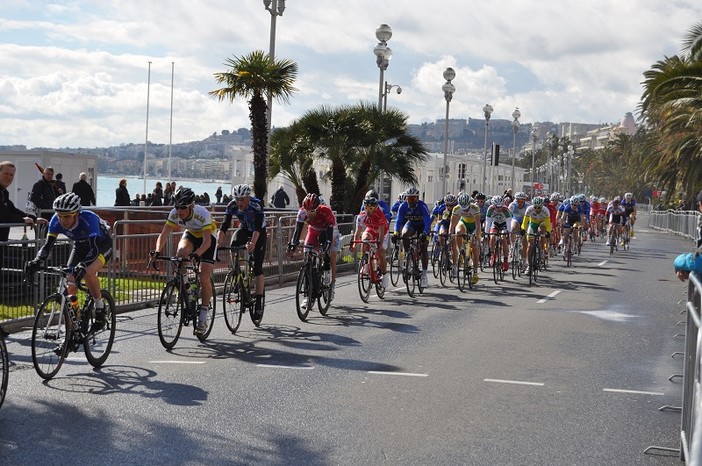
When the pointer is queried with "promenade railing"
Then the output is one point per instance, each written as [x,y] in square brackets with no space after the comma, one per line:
[678,222]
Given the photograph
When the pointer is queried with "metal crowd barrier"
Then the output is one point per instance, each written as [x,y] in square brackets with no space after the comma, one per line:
[126,275]
[678,222]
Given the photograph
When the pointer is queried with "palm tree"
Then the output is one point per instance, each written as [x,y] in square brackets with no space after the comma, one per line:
[255,77]
[360,141]
[672,108]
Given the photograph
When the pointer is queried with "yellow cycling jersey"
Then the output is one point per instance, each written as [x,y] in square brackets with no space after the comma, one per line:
[469,214]
[533,219]
[199,222]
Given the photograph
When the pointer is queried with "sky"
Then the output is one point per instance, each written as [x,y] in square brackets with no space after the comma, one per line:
[76,73]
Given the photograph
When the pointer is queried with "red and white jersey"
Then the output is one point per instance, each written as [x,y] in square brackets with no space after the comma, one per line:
[373,221]
[324,218]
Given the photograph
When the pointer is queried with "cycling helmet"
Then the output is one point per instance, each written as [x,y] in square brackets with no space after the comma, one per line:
[603,199]
[628,196]
[593,199]
[566,201]
[372,193]
[480,197]
[322,201]
[554,196]
[241,190]
[450,199]
[184,196]
[370,200]
[412,192]
[497,200]
[520,195]
[311,201]
[581,198]
[617,199]
[574,199]
[68,203]
[538,201]
[464,200]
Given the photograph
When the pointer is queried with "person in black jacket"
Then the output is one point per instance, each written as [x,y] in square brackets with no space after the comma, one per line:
[8,212]
[59,185]
[122,197]
[43,193]
[280,198]
[83,189]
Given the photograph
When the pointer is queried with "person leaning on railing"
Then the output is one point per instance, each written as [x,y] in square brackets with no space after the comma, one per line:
[686,263]
[8,212]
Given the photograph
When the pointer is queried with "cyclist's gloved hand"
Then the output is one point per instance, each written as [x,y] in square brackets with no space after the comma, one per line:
[292,246]
[394,238]
[33,265]
[522,232]
[79,271]
[327,245]
[195,257]
[153,253]
[548,235]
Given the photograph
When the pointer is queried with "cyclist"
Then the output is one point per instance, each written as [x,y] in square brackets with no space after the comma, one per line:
[517,208]
[251,232]
[322,232]
[92,248]
[552,207]
[398,203]
[536,219]
[572,216]
[413,219]
[437,218]
[629,205]
[372,225]
[497,220]
[616,215]
[197,242]
[465,219]
[443,225]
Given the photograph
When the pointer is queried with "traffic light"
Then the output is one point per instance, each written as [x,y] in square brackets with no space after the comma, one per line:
[495,154]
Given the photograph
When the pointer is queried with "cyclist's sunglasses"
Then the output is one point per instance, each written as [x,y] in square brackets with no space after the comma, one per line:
[69,215]
[181,207]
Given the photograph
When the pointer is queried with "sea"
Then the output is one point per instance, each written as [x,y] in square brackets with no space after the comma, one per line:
[107,184]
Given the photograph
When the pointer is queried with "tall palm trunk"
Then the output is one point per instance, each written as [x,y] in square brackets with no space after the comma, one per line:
[259,125]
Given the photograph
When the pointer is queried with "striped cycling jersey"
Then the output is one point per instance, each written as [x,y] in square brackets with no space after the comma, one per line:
[533,219]
[199,222]
[468,214]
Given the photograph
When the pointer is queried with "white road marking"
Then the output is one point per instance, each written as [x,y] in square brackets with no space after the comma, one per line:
[602,263]
[406,374]
[635,392]
[177,362]
[277,366]
[552,295]
[514,382]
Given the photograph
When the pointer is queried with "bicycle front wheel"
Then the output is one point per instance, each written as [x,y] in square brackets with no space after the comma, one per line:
[324,300]
[210,312]
[435,258]
[98,344]
[462,268]
[170,313]
[444,267]
[303,294]
[364,278]
[49,335]
[4,368]
[395,270]
[409,273]
[232,301]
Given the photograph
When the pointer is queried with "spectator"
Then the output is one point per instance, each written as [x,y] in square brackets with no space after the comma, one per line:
[135,202]
[59,185]
[122,197]
[168,195]
[150,199]
[206,199]
[43,193]
[218,195]
[686,263]
[8,212]
[83,189]
[142,201]
[280,198]
[157,195]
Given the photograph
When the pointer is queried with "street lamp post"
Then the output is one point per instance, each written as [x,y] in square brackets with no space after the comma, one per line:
[571,152]
[388,88]
[275,8]
[383,54]
[515,127]
[534,137]
[487,110]
[448,89]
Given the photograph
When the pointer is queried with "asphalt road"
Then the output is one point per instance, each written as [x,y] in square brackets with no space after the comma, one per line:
[571,371]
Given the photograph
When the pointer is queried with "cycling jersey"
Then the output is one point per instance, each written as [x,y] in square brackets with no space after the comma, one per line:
[372,222]
[382,205]
[572,214]
[496,219]
[252,218]
[533,220]
[320,227]
[517,212]
[615,214]
[469,216]
[417,217]
[197,224]
[628,206]
[90,235]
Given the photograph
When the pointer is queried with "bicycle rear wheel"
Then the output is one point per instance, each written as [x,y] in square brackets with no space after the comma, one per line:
[364,278]
[170,313]
[98,345]
[444,267]
[435,258]
[303,293]
[4,368]
[409,273]
[210,312]
[325,298]
[395,269]
[233,299]
[463,266]
[49,335]
[515,260]
[497,263]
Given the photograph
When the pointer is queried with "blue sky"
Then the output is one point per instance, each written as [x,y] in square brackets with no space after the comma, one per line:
[74,73]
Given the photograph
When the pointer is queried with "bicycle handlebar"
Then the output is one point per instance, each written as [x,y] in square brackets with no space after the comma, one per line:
[57,270]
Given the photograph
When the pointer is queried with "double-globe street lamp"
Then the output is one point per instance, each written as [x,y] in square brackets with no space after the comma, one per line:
[448,89]
[275,8]
[383,54]
[487,110]
[515,127]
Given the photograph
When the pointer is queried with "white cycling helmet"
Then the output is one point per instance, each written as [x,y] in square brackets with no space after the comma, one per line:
[520,195]
[412,192]
[497,200]
[538,201]
[464,200]
[241,190]
[67,203]
[628,196]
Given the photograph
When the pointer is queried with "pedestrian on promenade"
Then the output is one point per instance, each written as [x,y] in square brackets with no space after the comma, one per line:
[218,195]
[43,193]
[167,195]
[122,197]
[157,195]
[280,198]
[8,212]
[83,189]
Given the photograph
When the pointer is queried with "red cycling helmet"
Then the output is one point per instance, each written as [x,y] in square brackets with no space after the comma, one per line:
[310,202]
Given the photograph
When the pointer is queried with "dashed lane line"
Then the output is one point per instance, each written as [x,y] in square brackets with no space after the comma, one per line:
[552,295]
[279,366]
[514,382]
[635,392]
[406,374]
[173,361]
[602,263]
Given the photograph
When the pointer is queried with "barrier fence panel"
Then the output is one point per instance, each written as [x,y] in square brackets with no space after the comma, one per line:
[691,424]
